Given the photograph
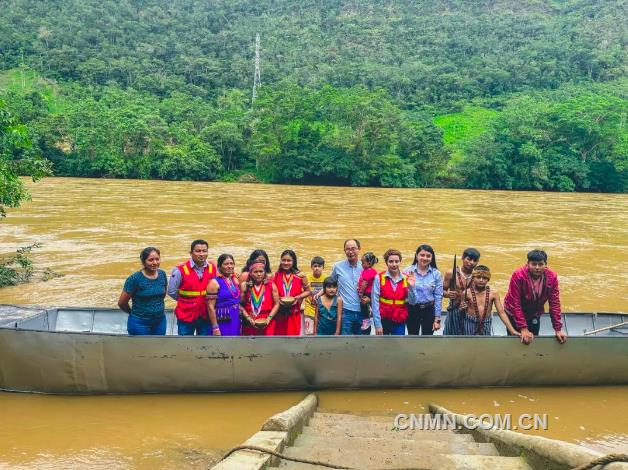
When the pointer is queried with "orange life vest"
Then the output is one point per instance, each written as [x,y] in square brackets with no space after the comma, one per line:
[191,303]
[392,302]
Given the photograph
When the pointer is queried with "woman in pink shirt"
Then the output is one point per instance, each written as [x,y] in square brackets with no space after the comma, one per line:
[365,286]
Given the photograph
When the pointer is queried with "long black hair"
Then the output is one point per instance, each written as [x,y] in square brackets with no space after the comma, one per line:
[292,255]
[429,249]
[254,255]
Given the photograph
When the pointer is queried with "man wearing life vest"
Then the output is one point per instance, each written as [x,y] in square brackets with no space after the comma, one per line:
[188,286]
[388,298]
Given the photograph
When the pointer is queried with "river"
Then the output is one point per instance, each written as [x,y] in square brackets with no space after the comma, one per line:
[92,231]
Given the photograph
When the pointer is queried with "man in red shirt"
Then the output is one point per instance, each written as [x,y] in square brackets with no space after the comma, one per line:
[188,286]
[531,286]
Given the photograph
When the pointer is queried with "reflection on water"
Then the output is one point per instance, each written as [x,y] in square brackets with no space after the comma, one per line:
[172,431]
[93,231]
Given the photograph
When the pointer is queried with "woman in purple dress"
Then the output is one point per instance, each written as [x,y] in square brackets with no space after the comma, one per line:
[223,299]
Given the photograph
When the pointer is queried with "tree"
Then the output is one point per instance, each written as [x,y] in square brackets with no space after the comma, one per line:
[570,139]
[226,139]
[347,136]
[16,159]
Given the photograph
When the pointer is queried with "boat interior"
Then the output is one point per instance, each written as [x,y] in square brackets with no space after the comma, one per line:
[113,321]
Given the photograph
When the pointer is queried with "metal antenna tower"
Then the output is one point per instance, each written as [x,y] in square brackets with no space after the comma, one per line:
[257,81]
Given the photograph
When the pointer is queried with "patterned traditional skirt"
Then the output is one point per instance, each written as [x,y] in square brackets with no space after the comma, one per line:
[454,321]
[229,320]
[472,326]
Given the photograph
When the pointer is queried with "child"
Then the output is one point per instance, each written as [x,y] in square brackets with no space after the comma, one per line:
[365,286]
[478,306]
[328,309]
[316,284]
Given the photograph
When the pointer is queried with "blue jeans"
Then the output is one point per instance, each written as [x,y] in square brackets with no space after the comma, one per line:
[201,326]
[138,326]
[351,322]
[392,328]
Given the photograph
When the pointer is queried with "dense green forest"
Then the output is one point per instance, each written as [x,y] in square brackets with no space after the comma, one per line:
[514,94]
[17,157]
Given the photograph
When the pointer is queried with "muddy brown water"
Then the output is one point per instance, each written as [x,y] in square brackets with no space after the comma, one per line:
[92,232]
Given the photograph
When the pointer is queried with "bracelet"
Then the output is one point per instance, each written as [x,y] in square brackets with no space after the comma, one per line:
[214,328]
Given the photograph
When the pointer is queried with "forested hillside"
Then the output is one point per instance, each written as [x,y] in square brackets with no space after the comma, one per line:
[504,94]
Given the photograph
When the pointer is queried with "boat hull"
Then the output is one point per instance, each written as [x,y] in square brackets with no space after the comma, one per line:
[88,363]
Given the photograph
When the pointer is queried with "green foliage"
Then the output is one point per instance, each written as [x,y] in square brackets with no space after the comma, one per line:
[478,94]
[459,129]
[16,158]
[191,160]
[341,136]
[435,52]
[227,139]
[38,95]
[17,268]
[570,139]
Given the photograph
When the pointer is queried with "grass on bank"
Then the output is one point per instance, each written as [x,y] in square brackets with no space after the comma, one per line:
[459,129]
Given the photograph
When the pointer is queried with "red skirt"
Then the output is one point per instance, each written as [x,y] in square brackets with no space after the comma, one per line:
[289,325]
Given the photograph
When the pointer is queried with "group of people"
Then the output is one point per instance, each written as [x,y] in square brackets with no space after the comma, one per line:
[355,299]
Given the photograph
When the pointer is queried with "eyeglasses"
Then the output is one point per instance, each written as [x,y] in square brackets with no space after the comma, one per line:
[353,248]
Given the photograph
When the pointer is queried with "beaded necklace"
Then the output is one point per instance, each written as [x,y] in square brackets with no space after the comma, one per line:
[486,302]
[464,281]
[257,298]
[233,288]
[485,313]
[287,283]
